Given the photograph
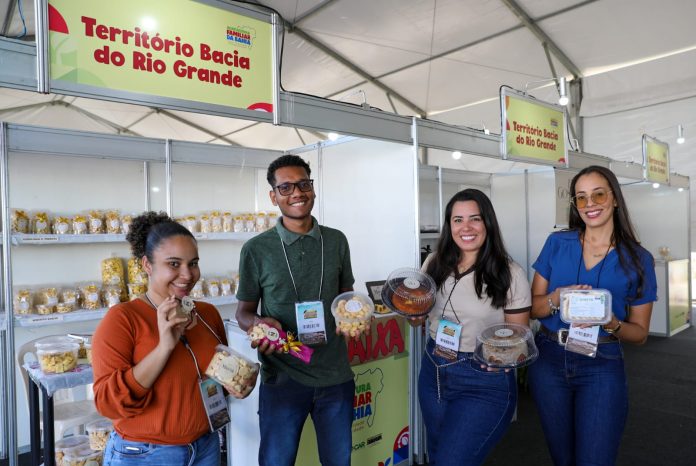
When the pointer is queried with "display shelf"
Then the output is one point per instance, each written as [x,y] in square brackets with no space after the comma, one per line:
[31,239]
[82,315]
[430,235]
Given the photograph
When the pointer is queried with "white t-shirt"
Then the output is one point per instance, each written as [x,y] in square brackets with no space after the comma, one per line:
[475,314]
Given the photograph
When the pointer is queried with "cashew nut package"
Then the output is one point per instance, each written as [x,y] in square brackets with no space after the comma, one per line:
[235,372]
[353,312]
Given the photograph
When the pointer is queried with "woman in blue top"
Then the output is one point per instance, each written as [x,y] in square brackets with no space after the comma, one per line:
[583,401]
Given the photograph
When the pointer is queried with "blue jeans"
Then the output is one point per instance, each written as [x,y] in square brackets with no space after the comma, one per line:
[582,402]
[203,452]
[283,408]
[473,411]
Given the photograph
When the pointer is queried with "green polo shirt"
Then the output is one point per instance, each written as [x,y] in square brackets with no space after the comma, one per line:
[264,277]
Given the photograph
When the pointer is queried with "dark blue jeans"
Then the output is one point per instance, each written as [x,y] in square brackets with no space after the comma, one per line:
[283,408]
[203,452]
[582,402]
[473,411]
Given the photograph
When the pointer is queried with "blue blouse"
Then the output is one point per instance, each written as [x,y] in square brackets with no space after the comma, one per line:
[561,264]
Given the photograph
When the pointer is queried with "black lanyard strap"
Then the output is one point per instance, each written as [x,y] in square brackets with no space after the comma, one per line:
[321,280]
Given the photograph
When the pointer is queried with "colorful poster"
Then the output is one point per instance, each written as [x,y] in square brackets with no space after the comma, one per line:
[380,406]
[655,159]
[532,130]
[180,49]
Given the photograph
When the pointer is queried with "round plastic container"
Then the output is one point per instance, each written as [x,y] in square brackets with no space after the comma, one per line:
[82,456]
[586,306]
[57,358]
[409,292]
[67,444]
[99,432]
[235,372]
[506,346]
[82,339]
[52,341]
[353,312]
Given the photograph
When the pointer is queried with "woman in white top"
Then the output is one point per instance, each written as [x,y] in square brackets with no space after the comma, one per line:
[467,408]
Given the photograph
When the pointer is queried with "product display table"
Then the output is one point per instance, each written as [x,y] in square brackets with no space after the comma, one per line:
[49,384]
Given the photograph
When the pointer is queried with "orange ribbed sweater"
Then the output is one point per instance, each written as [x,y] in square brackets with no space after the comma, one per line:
[170,412]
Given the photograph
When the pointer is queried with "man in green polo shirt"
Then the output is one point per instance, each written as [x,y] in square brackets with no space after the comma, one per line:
[296,270]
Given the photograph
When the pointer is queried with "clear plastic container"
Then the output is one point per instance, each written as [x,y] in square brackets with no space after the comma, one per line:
[82,339]
[68,444]
[82,456]
[353,312]
[409,292]
[506,346]
[52,341]
[586,306]
[57,358]
[235,372]
[99,432]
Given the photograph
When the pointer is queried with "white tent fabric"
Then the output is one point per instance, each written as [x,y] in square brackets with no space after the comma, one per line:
[445,60]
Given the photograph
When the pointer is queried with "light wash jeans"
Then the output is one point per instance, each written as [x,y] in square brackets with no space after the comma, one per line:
[203,452]
[582,402]
[469,414]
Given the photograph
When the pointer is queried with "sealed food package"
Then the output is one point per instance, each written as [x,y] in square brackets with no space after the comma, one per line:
[111,295]
[261,222]
[69,296]
[506,346]
[184,307]
[57,358]
[249,222]
[586,306]
[83,456]
[113,221]
[135,290]
[64,308]
[23,301]
[206,225]
[136,274]
[191,223]
[272,219]
[227,222]
[90,296]
[61,226]
[82,339]
[112,271]
[216,221]
[238,226]
[353,312]
[99,432]
[19,221]
[48,296]
[79,225]
[213,287]
[226,286]
[67,444]
[278,339]
[197,290]
[409,292]
[233,371]
[40,224]
[126,221]
[44,309]
[96,222]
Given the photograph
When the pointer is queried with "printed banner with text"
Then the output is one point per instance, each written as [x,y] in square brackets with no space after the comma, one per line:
[169,48]
[655,160]
[533,130]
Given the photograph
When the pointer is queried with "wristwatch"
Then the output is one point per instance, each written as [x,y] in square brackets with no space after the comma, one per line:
[612,331]
[554,309]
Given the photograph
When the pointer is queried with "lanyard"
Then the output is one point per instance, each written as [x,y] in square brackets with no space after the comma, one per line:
[321,280]
[449,300]
[582,262]
[184,340]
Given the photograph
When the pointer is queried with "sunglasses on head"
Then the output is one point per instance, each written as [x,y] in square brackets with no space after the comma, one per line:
[598,197]
[286,189]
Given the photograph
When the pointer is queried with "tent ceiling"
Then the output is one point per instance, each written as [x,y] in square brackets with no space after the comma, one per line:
[446,58]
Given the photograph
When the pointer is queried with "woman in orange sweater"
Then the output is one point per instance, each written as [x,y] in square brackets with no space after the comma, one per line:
[148,363]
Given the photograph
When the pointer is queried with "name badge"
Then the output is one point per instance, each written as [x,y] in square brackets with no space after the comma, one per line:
[311,329]
[214,403]
[447,339]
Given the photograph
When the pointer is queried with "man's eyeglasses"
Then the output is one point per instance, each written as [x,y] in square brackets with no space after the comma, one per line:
[286,189]
[598,197]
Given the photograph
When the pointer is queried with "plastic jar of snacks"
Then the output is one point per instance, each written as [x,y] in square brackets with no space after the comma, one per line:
[99,432]
[82,456]
[353,312]
[235,372]
[57,358]
[68,444]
